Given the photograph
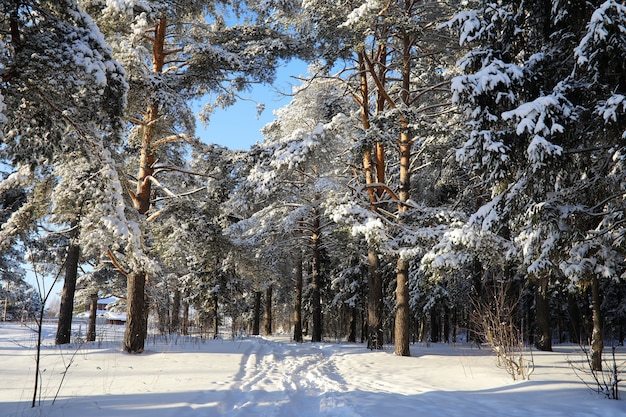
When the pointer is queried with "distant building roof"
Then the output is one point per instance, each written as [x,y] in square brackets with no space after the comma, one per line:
[108,300]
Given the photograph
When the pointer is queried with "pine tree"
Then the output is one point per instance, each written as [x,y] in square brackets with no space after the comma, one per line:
[175,52]
[294,173]
[63,96]
[533,90]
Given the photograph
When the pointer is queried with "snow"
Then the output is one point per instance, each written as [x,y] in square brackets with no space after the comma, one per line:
[367,9]
[606,15]
[254,376]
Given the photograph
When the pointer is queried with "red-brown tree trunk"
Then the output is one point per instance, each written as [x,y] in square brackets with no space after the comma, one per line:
[142,200]
[402,322]
[134,336]
[93,307]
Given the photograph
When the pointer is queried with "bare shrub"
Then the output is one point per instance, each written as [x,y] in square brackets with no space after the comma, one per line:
[494,318]
[605,381]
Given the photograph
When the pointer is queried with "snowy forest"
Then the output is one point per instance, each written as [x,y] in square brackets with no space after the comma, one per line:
[446,169]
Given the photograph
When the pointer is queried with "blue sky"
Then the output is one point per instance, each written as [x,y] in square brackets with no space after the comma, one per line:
[238,126]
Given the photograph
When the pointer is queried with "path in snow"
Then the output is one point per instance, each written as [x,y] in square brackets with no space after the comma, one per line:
[286,379]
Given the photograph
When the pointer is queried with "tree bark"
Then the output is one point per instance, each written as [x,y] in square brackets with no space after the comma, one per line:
[597,342]
[316,305]
[162,310]
[64,327]
[175,319]
[267,316]
[136,323]
[297,308]
[216,317]
[142,198]
[402,322]
[374,171]
[374,302]
[256,320]
[185,327]
[543,340]
[93,308]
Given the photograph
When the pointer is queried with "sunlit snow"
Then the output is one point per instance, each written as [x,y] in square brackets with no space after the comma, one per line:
[254,376]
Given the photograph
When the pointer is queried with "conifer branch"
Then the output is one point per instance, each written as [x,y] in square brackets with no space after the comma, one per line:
[116,263]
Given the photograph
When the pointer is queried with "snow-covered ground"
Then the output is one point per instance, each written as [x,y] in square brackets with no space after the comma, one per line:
[185,377]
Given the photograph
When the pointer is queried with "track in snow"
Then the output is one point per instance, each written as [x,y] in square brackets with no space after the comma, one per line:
[280,378]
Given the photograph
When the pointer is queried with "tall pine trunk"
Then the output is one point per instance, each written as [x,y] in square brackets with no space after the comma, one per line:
[175,319]
[136,319]
[316,305]
[256,319]
[297,305]
[185,324]
[374,170]
[142,198]
[543,339]
[374,302]
[93,307]
[353,324]
[597,343]
[216,317]
[267,316]
[402,322]
[64,327]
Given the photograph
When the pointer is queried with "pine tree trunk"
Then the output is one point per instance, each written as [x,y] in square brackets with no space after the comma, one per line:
[305,326]
[64,327]
[267,316]
[374,302]
[543,340]
[575,319]
[316,305]
[256,320]
[402,332]
[353,324]
[597,342]
[93,307]
[185,323]
[297,307]
[175,319]
[216,317]
[374,172]
[136,323]
[435,330]
[163,316]
[402,322]
[142,200]
[446,325]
